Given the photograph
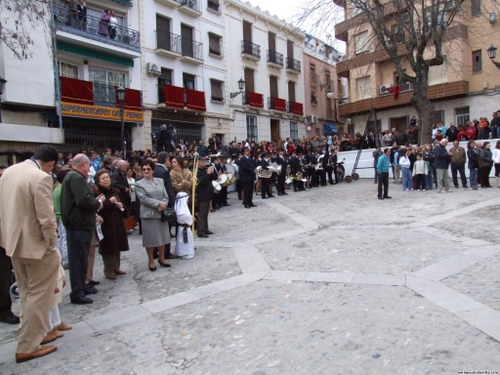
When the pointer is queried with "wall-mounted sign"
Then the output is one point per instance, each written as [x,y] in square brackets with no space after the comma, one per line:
[94,111]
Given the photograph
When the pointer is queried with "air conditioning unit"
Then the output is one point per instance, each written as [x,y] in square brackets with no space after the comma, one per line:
[384,87]
[152,69]
[405,17]
[312,119]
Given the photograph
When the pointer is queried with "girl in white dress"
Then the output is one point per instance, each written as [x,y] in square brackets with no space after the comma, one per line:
[184,243]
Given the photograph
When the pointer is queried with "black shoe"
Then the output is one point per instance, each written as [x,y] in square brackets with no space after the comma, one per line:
[285,193]
[247,206]
[381,198]
[387,197]
[226,205]
[152,269]
[82,301]
[264,197]
[94,282]
[90,290]
[209,232]
[203,236]
[253,205]
[12,319]
[280,193]
[166,265]
[271,196]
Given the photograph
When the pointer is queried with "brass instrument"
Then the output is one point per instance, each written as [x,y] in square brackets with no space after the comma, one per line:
[275,167]
[319,166]
[264,173]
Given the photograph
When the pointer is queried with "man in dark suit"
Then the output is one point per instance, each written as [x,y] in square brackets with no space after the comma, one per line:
[214,143]
[247,176]
[280,160]
[295,168]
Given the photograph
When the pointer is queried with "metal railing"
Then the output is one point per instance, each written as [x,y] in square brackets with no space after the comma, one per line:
[191,48]
[168,41]
[85,25]
[275,57]
[249,48]
[293,64]
[192,4]
[104,95]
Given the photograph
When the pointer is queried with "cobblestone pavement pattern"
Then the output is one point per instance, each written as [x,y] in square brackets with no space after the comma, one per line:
[327,281]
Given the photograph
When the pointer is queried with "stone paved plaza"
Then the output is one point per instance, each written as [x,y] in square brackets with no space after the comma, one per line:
[327,281]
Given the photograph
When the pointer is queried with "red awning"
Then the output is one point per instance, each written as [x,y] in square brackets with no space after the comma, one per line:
[133,100]
[256,100]
[174,96]
[77,91]
[196,100]
[297,108]
[280,104]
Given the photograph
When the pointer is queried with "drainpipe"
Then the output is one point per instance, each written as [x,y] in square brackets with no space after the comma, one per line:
[56,65]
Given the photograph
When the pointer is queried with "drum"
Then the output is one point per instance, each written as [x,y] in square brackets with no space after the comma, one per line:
[222,179]
[217,187]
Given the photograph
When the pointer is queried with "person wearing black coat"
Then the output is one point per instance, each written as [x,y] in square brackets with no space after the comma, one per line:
[120,181]
[473,156]
[295,168]
[204,190]
[280,160]
[485,164]
[266,182]
[247,176]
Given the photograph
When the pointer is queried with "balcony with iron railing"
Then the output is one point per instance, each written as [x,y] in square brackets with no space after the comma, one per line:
[292,65]
[182,98]
[168,44]
[274,59]
[97,94]
[295,108]
[191,51]
[95,29]
[250,50]
[277,104]
[253,99]
[190,7]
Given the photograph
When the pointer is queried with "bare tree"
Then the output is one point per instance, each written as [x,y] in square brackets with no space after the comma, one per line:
[18,20]
[416,35]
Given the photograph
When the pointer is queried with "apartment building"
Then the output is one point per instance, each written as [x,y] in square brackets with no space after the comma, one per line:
[267,54]
[463,88]
[323,90]
[183,68]
[65,94]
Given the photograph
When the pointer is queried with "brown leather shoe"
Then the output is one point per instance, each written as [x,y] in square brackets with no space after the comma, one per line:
[47,339]
[23,357]
[63,327]
[55,333]
[120,272]
[111,277]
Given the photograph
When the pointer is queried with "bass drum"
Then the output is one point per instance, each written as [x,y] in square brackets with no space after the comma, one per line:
[232,170]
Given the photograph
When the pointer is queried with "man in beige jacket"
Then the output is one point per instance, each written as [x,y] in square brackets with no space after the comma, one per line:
[28,233]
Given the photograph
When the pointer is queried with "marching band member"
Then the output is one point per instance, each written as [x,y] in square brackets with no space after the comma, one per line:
[247,176]
[294,163]
[313,173]
[265,182]
[280,160]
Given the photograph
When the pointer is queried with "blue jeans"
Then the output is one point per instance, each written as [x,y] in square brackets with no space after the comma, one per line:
[78,252]
[473,177]
[407,180]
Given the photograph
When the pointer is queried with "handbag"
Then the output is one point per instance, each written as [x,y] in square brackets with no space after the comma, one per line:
[130,223]
[168,215]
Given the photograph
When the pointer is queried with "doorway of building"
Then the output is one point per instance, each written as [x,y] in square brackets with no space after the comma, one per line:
[400,123]
[275,130]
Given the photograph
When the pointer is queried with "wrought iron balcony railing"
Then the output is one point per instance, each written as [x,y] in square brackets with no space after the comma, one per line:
[168,41]
[293,64]
[94,28]
[193,49]
[104,95]
[275,57]
[249,48]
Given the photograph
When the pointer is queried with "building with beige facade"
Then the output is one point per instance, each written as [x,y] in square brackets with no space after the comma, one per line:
[466,86]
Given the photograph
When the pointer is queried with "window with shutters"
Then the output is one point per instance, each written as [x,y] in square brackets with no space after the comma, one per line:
[361,43]
[294,129]
[69,70]
[214,44]
[216,87]
[252,130]
[477,63]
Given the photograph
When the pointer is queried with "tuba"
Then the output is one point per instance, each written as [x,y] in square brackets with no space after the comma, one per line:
[288,177]
[264,173]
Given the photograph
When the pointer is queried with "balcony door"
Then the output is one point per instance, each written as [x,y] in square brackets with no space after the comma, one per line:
[247,38]
[273,84]
[165,78]
[163,33]
[249,81]
[104,85]
[291,91]
[289,49]
[187,40]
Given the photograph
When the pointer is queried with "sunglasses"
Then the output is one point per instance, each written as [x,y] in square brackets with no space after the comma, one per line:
[146,169]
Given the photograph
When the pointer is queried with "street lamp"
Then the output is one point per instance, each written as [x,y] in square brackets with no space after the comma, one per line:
[241,86]
[492,53]
[2,87]
[120,93]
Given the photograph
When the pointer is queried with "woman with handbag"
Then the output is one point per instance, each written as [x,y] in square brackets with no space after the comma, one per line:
[113,227]
[154,200]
